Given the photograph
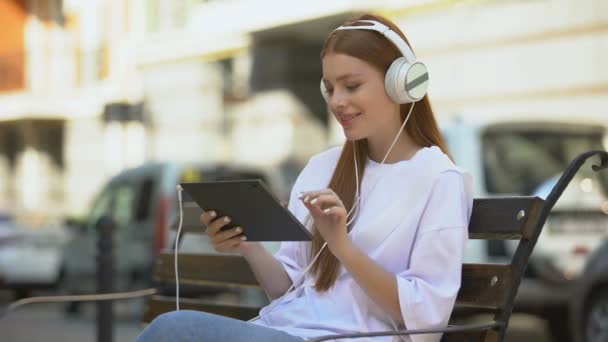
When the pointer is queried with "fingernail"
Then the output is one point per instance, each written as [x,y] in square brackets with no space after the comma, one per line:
[243,238]
[326,210]
[313,201]
[238,230]
[226,219]
[306,199]
[300,195]
[213,214]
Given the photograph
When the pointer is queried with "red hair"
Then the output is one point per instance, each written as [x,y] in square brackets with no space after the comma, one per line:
[375,49]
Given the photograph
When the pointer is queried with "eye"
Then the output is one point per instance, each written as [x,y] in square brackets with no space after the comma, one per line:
[330,90]
[352,88]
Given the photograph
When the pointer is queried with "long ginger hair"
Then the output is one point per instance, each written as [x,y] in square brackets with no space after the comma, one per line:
[375,49]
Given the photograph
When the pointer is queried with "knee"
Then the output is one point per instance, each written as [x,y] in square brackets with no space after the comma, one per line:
[164,327]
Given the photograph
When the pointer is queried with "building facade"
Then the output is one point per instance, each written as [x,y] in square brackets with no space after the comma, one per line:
[88,88]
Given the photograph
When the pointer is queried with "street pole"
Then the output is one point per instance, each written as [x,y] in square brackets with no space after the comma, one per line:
[105,278]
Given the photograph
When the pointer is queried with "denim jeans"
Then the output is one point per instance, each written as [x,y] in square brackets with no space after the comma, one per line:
[186,325]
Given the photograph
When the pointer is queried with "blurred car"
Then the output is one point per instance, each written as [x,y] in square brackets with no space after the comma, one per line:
[143,203]
[518,157]
[589,306]
[30,259]
[8,231]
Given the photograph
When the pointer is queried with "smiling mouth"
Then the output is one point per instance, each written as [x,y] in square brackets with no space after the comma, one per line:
[347,119]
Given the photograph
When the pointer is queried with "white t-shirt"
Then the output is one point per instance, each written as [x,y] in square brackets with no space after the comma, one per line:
[413,222]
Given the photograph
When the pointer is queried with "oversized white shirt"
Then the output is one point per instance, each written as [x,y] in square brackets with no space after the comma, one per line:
[412,221]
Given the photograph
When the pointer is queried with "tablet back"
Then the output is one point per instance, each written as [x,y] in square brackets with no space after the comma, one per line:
[251,205]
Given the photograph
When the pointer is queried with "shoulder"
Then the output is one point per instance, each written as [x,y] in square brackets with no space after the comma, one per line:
[329,156]
[444,174]
[324,162]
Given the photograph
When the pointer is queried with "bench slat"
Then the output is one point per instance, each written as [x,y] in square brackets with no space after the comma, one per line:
[157,305]
[485,285]
[206,269]
[497,218]
[471,336]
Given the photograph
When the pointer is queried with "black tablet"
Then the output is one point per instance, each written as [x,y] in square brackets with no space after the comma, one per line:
[251,205]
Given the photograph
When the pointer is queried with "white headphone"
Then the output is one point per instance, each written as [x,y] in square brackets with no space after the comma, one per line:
[407,79]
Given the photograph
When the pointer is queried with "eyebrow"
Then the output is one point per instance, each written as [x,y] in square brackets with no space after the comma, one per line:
[343,77]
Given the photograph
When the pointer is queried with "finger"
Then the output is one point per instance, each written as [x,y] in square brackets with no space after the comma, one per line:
[325,201]
[306,196]
[215,226]
[207,216]
[230,244]
[226,234]
[334,211]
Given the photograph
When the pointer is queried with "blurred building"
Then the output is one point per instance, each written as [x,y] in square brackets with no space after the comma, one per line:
[88,88]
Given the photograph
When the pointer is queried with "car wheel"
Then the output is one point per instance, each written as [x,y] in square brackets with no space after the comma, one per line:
[559,325]
[596,316]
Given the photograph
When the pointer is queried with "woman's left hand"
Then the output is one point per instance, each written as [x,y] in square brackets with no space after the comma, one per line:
[329,215]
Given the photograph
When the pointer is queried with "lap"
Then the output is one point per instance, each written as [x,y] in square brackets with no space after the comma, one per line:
[186,325]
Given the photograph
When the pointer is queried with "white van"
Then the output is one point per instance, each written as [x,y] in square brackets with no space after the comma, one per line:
[517,157]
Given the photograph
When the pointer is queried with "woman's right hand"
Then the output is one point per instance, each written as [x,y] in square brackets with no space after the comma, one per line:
[225,241]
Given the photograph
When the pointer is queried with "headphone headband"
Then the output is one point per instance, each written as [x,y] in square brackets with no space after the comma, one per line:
[386,31]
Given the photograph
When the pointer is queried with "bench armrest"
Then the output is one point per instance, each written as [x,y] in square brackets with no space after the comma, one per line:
[569,173]
[448,329]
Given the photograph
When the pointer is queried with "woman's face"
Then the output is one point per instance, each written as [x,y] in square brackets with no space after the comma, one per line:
[357,97]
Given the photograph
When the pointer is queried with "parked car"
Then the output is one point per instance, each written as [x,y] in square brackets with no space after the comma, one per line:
[589,306]
[143,203]
[517,157]
[30,259]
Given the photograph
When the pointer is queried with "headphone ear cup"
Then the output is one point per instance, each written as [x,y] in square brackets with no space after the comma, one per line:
[324,92]
[394,81]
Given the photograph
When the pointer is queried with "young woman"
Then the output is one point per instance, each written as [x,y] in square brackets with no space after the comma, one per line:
[388,210]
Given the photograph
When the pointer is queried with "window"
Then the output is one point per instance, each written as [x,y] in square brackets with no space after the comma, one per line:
[101,207]
[152,7]
[144,201]
[123,206]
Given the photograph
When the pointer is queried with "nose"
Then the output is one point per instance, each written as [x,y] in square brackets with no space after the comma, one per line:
[337,99]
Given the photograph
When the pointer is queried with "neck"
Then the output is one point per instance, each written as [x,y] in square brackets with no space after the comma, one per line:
[404,149]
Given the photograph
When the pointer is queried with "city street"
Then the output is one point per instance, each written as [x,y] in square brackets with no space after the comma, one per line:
[38,322]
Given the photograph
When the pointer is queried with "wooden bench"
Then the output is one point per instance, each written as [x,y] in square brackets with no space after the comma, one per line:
[487,289]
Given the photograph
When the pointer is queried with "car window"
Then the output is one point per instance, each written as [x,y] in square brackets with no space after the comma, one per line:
[518,162]
[143,207]
[101,206]
[124,199]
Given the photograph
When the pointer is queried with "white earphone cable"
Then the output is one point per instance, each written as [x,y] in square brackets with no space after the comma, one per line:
[179,230]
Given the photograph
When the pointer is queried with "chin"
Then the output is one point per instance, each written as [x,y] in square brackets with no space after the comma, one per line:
[353,136]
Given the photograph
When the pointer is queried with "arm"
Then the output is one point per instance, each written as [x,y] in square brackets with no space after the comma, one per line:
[380,285]
[267,269]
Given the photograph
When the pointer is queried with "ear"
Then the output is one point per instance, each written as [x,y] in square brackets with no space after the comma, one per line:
[324,92]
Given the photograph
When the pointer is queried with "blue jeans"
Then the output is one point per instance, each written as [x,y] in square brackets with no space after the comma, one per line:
[186,325]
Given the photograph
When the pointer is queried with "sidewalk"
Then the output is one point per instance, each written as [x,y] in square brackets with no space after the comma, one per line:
[48,322]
